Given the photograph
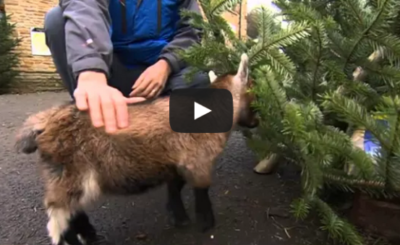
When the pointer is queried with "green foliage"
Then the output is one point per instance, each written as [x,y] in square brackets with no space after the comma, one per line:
[306,92]
[214,53]
[338,228]
[8,58]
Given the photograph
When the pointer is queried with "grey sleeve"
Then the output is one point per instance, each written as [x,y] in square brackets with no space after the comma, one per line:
[87,34]
[185,37]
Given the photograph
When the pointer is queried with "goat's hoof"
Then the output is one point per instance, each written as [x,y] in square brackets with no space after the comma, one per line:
[179,222]
[85,230]
[79,241]
[178,217]
[205,222]
[90,240]
[88,236]
[97,240]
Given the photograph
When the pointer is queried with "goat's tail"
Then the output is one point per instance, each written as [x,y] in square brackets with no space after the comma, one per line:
[31,128]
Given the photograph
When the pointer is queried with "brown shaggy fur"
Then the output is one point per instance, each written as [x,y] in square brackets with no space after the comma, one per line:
[79,163]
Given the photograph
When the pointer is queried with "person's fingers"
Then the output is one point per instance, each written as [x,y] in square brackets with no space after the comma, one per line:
[159,92]
[95,110]
[133,100]
[151,90]
[121,109]
[138,91]
[108,110]
[139,80]
[154,92]
[81,100]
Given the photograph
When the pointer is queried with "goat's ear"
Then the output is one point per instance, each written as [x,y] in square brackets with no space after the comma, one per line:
[242,74]
[212,76]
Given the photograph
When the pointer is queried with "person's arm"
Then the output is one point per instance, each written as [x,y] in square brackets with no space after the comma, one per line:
[87,34]
[89,53]
[185,37]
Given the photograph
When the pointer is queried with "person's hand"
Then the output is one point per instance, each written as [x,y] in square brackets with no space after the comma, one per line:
[152,81]
[107,106]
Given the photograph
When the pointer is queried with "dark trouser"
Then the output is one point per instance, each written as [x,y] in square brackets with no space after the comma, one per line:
[122,78]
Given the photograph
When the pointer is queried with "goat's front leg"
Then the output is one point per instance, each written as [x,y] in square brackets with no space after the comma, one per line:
[204,210]
[175,204]
[196,173]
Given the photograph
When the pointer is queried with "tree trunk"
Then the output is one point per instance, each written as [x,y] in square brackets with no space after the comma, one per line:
[2,9]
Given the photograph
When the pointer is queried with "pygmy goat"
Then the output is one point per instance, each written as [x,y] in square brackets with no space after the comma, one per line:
[80,163]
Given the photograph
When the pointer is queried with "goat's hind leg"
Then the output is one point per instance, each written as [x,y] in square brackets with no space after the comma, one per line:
[68,223]
[84,229]
[68,227]
[59,226]
[175,205]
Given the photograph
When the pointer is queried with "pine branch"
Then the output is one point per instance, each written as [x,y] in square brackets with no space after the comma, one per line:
[301,207]
[354,113]
[266,80]
[265,23]
[317,66]
[312,179]
[278,61]
[269,47]
[295,71]
[389,41]
[217,7]
[338,228]
[356,10]
[9,59]
[298,12]
[393,145]
[384,13]
[373,187]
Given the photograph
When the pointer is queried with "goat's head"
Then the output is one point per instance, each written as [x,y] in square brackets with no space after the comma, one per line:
[247,116]
[240,84]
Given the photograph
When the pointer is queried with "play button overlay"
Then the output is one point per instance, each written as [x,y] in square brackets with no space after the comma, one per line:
[202,110]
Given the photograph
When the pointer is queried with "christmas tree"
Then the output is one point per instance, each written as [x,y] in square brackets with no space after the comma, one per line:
[8,57]
[331,71]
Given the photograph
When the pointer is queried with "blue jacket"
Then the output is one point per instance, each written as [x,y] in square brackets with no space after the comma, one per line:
[140,32]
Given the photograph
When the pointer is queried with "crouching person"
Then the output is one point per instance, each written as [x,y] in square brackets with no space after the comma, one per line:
[113,52]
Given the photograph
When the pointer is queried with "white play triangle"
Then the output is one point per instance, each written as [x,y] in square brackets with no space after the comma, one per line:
[200,110]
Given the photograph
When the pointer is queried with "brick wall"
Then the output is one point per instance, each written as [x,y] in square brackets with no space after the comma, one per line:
[38,72]
[233,18]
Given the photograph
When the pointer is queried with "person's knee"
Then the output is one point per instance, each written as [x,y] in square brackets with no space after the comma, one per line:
[198,80]
[179,81]
[201,79]
[53,23]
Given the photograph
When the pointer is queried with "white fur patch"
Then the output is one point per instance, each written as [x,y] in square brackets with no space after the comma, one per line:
[58,223]
[91,188]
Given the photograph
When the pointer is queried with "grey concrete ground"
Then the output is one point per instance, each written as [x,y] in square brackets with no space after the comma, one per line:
[242,199]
